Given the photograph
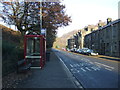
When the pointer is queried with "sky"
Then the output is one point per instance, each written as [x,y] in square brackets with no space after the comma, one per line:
[87,12]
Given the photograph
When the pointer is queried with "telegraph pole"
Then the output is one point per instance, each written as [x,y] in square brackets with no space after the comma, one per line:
[40,16]
[42,31]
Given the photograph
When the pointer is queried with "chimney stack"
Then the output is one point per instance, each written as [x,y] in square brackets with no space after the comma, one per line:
[100,24]
[109,20]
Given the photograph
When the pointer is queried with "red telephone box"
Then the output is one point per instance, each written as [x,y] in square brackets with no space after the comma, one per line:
[35,50]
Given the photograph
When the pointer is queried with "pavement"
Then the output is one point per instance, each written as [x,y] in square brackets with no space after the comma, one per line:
[53,75]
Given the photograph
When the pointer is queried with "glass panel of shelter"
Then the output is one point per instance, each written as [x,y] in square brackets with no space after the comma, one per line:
[33,50]
[33,46]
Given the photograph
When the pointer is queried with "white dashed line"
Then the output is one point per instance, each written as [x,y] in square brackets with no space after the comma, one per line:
[81,64]
[91,62]
[82,58]
[87,60]
[108,69]
[71,69]
[88,68]
[78,71]
[75,65]
[78,65]
[98,66]
[73,78]
[104,65]
[71,65]
[94,68]
[83,69]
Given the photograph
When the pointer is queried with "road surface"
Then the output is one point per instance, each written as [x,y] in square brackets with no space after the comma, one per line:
[91,71]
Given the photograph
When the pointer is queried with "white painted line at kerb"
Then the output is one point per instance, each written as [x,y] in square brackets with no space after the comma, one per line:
[104,65]
[74,79]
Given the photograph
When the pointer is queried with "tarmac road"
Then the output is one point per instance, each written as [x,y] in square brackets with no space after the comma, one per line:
[91,71]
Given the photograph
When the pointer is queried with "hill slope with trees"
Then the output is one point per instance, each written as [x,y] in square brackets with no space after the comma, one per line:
[61,42]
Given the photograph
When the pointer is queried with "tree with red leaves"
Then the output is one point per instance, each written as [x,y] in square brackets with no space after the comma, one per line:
[26,17]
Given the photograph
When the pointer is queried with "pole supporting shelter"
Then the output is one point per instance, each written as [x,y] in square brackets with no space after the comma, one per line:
[35,50]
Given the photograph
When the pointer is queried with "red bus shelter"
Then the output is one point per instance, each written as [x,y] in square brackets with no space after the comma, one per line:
[35,50]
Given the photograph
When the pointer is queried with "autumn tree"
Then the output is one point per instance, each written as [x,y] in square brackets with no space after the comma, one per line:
[26,17]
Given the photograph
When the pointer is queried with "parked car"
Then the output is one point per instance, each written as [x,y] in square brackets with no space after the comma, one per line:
[68,49]
[73,49]
[76,50]
[79,51]
[91,52]
[88,51]
[84,51]
[64,49]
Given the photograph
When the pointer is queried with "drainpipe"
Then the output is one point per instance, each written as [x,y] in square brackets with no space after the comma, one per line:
[111,40]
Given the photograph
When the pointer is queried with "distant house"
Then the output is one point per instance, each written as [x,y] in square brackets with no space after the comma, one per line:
[106,39]
[71,43]
[79,36]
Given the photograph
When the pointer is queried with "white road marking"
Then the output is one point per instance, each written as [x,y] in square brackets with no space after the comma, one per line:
[71,69]
[81,64]
[98,66]
[75,65]
[83,69]
[78,65]
[108,69]
[94,68]
[87,60]
[82,58]
[104,65]
[74,70]
[79,85]
[77,56]
[78,71]
[60,58]
[91,62]
[71,65]
[88,68]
